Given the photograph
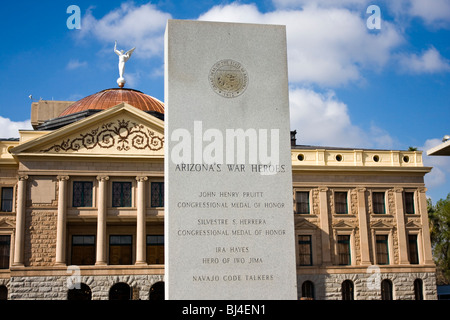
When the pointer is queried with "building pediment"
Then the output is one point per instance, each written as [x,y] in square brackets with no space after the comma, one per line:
[119,131]
[413,225]
[343,225]
[304,224]
[381,225]
[5,224]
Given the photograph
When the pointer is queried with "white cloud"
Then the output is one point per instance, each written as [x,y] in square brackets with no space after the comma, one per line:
[430,61]
[436,12]
[132,26]
[321,119]
[10,129]
[379,138]
[75,64]
[324,3]
[133,78]
[326,46]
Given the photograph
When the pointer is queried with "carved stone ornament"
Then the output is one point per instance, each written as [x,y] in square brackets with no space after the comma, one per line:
[123,135]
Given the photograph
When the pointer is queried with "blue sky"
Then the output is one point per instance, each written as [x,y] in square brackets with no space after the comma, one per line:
[350,86]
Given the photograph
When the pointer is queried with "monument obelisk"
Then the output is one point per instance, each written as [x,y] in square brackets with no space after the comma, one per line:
[229,225]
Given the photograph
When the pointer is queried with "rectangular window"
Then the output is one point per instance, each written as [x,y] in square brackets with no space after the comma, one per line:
[121,194]
[302,200]
[83,250]
[413,249]
[5,249]
[382,249]
[344,250]
[340,202]
[7,199]
[157,194]
[82,194]
[409,203]
[378,203]
[120,249]
[155,249]
[305,250]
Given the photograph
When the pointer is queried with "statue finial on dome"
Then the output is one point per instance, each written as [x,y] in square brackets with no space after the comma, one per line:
[123,57]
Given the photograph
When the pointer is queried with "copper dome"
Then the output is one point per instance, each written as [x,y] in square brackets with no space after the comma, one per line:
[111,97]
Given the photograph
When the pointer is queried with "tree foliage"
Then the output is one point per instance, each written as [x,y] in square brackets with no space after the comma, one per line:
[439,216]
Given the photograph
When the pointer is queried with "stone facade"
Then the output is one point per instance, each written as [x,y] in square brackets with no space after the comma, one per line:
[40,238]
[57,287]
[367,286]
[43,219]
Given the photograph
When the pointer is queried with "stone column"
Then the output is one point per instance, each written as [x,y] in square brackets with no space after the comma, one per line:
[20,220]
[363,227]
[324,226]
[101,220]
[141,222]
[427,254]
[61,222]
[401,228]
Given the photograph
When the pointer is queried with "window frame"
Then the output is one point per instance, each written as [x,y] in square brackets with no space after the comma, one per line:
[308,290]
[345,286]
[8,250]
[416,244]
[2,200]
[122,204]
[160,246]
[72,245]
[111,245]
[310,243]
[384,202]
[339,244]
[308,192]
[387,248]
[413,202]
[418,289]
[346,192]
[387,289]
[161,195]
[91,182]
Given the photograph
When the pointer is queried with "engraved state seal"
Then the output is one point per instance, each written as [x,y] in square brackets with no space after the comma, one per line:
[228,78]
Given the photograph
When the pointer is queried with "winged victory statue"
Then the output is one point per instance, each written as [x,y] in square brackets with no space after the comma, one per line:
[123,57]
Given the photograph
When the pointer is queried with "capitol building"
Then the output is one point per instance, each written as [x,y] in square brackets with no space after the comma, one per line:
[82,209]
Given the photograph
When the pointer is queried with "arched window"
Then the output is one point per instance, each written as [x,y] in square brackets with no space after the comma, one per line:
[418,289]
[80,291]
[3,293]
[120,291]
[157,291]
[386,290]
[347,290]
[307,290]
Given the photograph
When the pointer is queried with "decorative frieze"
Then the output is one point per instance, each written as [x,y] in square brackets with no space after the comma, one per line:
[122,135]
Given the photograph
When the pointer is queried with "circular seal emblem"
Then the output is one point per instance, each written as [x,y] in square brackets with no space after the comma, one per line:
[228,78]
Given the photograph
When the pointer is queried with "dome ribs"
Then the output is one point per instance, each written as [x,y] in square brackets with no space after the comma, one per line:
[109,98]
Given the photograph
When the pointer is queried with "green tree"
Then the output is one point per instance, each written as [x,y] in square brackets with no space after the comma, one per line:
[439,216]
